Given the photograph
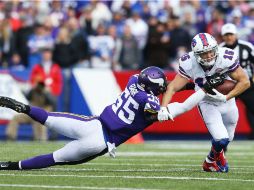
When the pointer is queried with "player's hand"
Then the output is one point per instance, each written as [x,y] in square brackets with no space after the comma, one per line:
[213,81]
[218,96]
[164,114]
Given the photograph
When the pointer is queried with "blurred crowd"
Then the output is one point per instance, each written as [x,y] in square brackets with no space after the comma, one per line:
[121,35]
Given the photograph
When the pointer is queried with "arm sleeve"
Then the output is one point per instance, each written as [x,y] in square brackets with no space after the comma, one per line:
[177,108]
[152,106]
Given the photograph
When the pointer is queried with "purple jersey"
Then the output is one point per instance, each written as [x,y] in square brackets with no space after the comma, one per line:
[125,118]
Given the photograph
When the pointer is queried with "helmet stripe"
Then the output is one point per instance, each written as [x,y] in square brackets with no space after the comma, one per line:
[203,38]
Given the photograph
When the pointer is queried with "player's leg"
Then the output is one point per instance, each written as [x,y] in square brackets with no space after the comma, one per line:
[229,113]
[66,124]
[71,125]
[230,118]
[213,120]
[14,105]
[177,108]
[90,145]
[35,113]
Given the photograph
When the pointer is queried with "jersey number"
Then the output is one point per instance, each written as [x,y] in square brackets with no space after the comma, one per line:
[185,57]
[228,54]
[125,106]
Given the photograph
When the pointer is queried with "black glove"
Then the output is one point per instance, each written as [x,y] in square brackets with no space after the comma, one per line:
[213,81]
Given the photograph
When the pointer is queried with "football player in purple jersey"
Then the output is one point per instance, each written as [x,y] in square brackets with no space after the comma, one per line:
[135,109]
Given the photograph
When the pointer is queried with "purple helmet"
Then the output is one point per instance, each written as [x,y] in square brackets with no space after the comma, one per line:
[152,80]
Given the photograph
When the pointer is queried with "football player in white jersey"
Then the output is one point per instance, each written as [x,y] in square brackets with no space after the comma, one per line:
[218,111]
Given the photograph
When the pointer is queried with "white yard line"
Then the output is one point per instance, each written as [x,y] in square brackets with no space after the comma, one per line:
[195,153]
[238,170]
[186,146]
[147,164]
[127,177]
[67,187]
[123,170]
[138,164]
[175,161]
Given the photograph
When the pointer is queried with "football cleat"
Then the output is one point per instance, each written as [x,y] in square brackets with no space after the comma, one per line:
[221,161]
[9,166]
[210,166]
[14,105]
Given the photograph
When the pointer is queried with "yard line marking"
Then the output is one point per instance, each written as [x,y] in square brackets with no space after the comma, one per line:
[67,187]
[130,177]
[151,164]
[193,146]
[191,178]
[141,170]
[236,170]
[122,170]
[138,164]
[196,153]
[172,160]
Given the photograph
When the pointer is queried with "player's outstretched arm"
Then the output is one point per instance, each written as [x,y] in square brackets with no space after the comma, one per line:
[177,84]
[177,108]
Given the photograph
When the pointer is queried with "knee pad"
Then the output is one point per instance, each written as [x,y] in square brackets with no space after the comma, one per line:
[221,144]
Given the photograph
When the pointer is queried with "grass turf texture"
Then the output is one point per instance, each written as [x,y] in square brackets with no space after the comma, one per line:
[153,165]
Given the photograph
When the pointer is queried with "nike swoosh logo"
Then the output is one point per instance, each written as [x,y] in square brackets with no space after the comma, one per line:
[222,169]
[4,165]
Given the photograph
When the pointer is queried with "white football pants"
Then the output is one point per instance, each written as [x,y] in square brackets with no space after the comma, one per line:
[221,120]
[88,135]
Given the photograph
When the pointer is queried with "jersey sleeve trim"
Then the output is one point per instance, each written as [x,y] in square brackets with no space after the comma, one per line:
[234,66]
[183,73]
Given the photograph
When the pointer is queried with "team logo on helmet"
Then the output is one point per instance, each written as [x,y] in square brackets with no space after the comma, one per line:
[203,38]
[193,42]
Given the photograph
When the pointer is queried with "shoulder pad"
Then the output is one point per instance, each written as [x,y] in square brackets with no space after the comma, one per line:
[185,65]
[229,59]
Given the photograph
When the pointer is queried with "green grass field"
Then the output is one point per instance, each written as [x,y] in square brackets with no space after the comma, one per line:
[156,165]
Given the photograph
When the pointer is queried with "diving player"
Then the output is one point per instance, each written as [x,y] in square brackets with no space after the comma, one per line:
[134,110]
[218,111]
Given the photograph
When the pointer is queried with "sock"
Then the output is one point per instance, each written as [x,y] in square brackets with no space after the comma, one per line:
[211,155]
[42,161]
[38,114]
[220,145]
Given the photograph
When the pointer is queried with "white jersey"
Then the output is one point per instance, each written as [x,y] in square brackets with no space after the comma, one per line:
[226,62]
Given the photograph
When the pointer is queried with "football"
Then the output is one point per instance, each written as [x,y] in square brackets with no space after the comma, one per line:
[226,87]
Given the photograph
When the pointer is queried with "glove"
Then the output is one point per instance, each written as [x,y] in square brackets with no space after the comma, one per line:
[164,115]
[218,96]
[213,81]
